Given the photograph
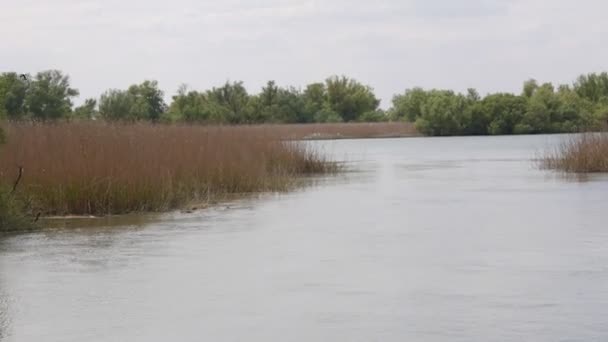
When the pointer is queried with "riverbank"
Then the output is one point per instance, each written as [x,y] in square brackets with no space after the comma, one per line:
[332,131]
[89,168]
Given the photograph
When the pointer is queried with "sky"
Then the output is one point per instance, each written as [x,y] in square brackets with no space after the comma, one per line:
[391,45]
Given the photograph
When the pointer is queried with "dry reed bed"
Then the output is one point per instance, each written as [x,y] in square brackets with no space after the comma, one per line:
[583,153]
[98,168]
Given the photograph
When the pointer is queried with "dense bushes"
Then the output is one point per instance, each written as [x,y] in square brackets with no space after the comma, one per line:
[48,96]
[338,99]
[538,109]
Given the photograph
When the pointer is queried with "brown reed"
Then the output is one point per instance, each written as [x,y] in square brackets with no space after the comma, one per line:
[582,153]
[94,168]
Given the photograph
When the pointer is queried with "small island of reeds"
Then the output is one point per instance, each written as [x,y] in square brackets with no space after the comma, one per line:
[95,168]
[581,153]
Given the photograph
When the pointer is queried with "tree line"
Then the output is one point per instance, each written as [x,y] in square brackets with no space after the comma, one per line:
[539,108]
[48,96]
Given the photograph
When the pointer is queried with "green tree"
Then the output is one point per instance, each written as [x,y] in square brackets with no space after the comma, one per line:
[49,95]
[290,107]
[593,87]
[277,105]
[327,115]
[374,116]
[408,106]
[540,113]
[269,94]
[12,96]
[315,104]
[529,88]
[229,103]
[87,110]
[349,98]
[475,121]
[444,113]
[140,102]
[503,111]
[148,100]
[190,106]
[572,113]
[117,104]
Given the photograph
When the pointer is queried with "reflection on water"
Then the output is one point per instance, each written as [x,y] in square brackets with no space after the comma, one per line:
[91,223]
[433,239]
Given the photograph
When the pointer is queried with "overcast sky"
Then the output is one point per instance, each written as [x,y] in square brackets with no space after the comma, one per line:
[492,45]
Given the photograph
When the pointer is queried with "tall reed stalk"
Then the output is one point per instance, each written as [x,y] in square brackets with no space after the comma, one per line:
[90,168]
[582,153]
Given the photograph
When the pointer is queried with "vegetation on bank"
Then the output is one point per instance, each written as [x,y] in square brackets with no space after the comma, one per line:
[89,168]
[353,130]
[12,213]
[539,108]
[583,153]
[48,96]
[542,108]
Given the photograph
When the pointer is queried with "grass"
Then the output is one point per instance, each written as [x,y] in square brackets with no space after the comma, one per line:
[91,168]
[583,153]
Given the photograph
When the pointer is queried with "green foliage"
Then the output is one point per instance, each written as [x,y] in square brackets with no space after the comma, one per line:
[349,98]
[408,106]
[87,110]
[540,108]
[326,115]
[46,97]
[117,104]
[338,99]
[12,96]
[373,116]
[189,106]
[593,87]
[290,107]
[443,113]
[49,95]
[315,98]
[529,88]
[140,102]
[537,118]
[503,111]
[229,103]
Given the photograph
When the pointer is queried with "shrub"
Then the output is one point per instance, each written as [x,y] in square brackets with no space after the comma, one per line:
[12,211]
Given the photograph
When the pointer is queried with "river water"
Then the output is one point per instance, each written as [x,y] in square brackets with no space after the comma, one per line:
[423,239]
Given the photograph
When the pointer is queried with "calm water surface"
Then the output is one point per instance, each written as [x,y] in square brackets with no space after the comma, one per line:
[427,239]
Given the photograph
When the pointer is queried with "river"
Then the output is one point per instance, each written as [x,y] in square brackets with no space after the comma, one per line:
[421,239]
